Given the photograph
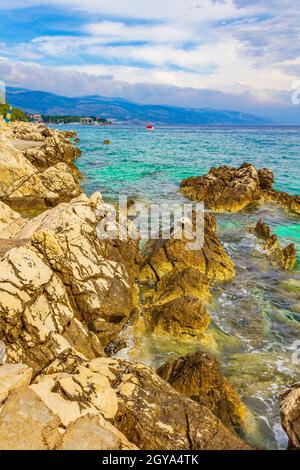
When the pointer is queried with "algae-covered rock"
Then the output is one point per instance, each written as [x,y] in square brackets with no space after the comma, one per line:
[185,315]
[224,189]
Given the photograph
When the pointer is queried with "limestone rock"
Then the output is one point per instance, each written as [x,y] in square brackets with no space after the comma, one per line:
[10,221]
[23,187]
[59,409]
[12,377]
[37,320]
[33,420]
[71,396]
[228,189]
[66,288]
[290,414]
[94,433]
[199,377]
[7,216]
[285,258]
[27,424]
[56,149]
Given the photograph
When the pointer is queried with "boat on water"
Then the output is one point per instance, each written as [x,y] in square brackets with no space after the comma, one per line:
[150,128]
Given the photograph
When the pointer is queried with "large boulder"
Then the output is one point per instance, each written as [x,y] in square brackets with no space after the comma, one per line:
[176,280]
[290,414]
[107,404]
[113,404]
[153,415]
[228,189]
[199,377]
[66,288]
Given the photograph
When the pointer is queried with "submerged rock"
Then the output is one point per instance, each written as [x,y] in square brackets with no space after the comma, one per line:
[176,281]
[199,377]
[228,189]
[285,258]
[290,414]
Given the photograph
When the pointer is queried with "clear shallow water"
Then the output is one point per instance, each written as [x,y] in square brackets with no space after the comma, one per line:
[256,317]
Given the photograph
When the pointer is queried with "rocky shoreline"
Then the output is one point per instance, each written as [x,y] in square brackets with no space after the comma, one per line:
[65,296]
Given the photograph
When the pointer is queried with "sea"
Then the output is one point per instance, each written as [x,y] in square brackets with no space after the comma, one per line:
[255,330]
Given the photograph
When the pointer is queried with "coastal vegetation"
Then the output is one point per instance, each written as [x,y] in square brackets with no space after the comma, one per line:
[61,119]
[17,114]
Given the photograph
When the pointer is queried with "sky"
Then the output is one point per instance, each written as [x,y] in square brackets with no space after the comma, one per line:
[225,54]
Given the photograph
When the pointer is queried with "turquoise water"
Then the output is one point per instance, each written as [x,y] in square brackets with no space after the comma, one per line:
[256,317]
[151,164]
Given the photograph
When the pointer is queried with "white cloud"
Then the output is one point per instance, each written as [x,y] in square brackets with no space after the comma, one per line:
[191,10]
[236,48]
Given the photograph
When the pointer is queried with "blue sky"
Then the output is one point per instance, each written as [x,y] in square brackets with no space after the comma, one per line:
[234,54]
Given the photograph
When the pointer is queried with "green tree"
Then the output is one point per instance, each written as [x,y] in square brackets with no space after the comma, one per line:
[17,114]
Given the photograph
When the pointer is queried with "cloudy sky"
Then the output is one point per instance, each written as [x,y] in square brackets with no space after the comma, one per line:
[233,54]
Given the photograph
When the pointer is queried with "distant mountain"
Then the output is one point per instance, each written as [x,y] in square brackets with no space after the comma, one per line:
[125,111]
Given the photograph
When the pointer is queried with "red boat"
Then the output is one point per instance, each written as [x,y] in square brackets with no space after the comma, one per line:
[150,128]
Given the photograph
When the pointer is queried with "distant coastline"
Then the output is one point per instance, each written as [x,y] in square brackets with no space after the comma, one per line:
[124,111]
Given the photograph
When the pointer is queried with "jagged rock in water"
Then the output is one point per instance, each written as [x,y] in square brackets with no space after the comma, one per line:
[66,288]
[262,230]
[199,377]
[266,178]
[286,257]
[228,189]
[290,414]
[176,281]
